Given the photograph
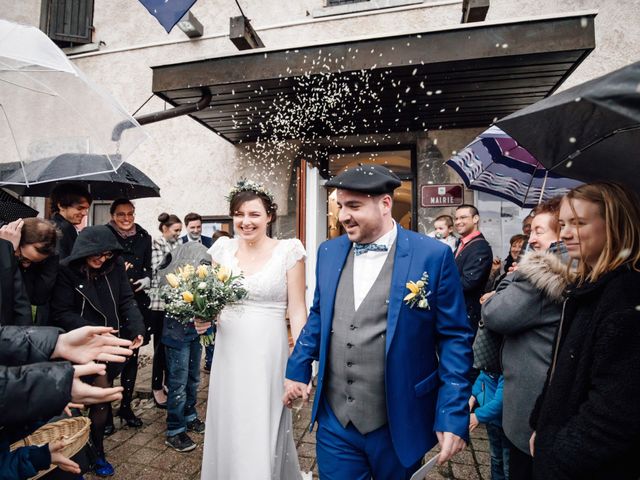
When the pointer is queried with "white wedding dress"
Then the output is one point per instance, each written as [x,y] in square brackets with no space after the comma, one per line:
[248,431]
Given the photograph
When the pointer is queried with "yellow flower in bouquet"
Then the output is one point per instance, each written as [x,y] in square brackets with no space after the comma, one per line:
[187,297]
[223,273]
[186,272]
[201,271]
[172,280]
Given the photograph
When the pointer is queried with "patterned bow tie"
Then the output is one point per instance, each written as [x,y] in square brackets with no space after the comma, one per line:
[360,248]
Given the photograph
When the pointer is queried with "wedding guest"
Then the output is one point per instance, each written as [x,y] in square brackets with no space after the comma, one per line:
[136,253]
[500,269]
[14,305]
[70,203]
[170,227]
[526,224]
[443,231]
[486,393]
[193,224]
[34,247]
[93,289]
[526,309]
[473,259]
[587,421]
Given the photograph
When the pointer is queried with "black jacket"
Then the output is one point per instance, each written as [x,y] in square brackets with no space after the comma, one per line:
[587,419]
[69,235]
[474,267]
[15,308]
[136,250]
[104,297]
[30,389]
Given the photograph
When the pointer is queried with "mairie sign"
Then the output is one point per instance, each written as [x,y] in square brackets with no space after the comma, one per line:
[441,195]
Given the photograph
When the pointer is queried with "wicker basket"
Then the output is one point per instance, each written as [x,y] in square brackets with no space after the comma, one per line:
[75,430]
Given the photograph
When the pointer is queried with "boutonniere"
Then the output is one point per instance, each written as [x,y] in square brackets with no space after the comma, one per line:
[418,293]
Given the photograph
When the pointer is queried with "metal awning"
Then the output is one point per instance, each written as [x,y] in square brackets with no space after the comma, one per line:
[460,77]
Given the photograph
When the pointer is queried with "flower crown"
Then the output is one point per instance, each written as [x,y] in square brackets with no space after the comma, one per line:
[245,185]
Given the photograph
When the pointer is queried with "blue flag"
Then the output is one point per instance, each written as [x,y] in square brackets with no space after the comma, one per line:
[168,12]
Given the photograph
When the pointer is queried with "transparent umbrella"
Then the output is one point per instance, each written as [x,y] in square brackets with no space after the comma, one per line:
[49,108]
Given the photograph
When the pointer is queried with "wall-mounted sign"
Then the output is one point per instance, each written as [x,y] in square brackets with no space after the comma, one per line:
[441,195]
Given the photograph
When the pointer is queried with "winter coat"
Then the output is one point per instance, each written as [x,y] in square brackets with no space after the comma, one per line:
[488,390]
[15,308]
[526,310]
[136,250]
[69,235]
[474,267]
[39,280]
[24,462]
[31,387]
[103,297]
[587,419]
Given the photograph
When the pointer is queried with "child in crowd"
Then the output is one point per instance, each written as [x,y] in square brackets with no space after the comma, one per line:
[443,226]
[486,394]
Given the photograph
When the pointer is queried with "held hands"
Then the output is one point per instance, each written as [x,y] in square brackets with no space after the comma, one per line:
[487,296]
[84,393]
[450,444]
[294,390]
[473,422]
[57,458]
[87,344]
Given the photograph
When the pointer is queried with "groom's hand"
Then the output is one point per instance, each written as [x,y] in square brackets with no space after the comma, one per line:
[450,444]
[294,390]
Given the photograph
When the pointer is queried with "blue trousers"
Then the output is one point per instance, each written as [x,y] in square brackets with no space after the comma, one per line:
[499,446]
[183,378]
[346,454]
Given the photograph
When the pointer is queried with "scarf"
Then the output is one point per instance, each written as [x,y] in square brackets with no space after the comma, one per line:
[123,233]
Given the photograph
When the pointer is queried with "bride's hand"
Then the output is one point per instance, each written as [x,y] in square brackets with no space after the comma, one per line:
[201,326]
[294,390]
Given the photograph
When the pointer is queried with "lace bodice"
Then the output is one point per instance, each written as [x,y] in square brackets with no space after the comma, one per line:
[268,285]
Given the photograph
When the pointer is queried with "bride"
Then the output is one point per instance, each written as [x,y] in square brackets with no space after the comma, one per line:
[248,431]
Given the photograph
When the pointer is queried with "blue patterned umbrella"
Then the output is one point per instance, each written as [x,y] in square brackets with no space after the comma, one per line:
[494,163]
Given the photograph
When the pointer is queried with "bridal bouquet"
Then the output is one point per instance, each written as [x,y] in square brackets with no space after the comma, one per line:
[201,293]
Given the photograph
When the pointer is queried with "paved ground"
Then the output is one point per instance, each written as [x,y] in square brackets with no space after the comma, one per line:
[142,455]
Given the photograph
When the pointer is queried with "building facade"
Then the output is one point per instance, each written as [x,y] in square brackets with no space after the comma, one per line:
[196,159]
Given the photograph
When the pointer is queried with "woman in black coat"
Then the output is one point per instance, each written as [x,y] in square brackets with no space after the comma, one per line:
[93,289]
[587,421]
[136,253]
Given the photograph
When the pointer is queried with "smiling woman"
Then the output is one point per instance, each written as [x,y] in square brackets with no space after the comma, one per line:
[587,420]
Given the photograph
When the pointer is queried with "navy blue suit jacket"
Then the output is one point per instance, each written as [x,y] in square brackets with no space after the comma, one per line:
[428,351]
[206,241]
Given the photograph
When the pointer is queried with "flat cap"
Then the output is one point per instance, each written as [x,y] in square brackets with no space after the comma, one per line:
[366,178]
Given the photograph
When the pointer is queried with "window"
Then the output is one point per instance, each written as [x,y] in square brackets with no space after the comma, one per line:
[333,3]
[401,162]
[67,22]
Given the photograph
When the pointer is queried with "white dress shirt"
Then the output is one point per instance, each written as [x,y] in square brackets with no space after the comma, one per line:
[367,266]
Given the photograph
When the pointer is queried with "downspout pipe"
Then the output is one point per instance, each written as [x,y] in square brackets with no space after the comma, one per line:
[178,111]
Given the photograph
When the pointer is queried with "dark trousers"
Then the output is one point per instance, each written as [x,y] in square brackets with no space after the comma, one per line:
[159,368]
[183,377]
[208,356]
[128,380]
[499,446]
[520,464]
[345,453]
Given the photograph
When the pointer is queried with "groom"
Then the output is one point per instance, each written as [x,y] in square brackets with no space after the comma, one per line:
[393,373]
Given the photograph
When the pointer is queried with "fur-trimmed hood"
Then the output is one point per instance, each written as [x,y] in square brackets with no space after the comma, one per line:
[547,272]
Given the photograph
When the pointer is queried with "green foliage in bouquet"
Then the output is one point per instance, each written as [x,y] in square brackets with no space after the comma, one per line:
[201,293]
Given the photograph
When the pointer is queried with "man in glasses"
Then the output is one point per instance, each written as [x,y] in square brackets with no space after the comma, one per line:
[473,258]
[70,203]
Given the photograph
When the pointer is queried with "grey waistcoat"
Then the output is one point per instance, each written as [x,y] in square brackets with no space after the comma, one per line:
[355,385]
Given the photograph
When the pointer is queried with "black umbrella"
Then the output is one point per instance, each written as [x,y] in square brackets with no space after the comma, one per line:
[127,181]
[589,132]
[12,209]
